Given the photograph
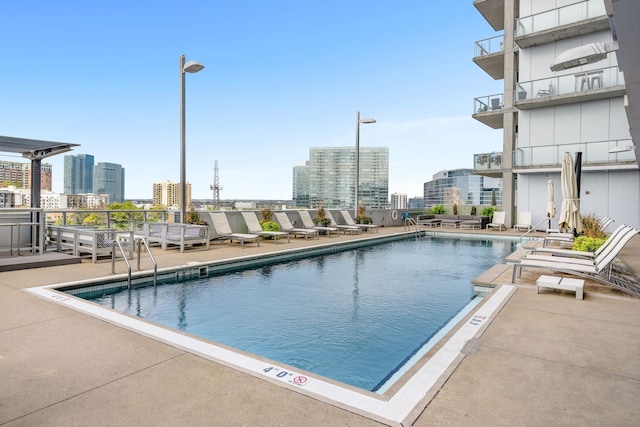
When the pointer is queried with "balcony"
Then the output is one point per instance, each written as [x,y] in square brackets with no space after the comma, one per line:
[594,154]
[488,164]
[488,110]
[569,21]
[492,11]
[602,83]
[489,55]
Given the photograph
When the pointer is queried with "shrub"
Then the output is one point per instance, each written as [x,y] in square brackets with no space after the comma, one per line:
[266,215]
[591,227]
[364,220]
[193,217]
[588,244]
[321,218]
[270,226]
[488,211]
[438,209]
[455,209]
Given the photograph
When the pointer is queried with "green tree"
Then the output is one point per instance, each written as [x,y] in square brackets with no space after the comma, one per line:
[92,219]
[123,219]
[156,216]
[438,210]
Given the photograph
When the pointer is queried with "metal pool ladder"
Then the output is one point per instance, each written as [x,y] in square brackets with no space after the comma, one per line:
[408,222]
[138,242]
[524,239]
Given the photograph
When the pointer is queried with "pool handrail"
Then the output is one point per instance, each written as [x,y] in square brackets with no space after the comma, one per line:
[139,240]
[117,243]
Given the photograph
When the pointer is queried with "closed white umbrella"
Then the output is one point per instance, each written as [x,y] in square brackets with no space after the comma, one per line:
[570,211]
[551,205]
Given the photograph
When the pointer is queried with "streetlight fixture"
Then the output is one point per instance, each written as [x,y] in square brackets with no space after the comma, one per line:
[365,121]
[189,67]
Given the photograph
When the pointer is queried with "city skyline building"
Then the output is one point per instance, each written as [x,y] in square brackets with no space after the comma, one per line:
[167,194]
[461,187]
[544,114]
[399,201]
[19,174]
[78,173]
[331,177]
[108,178]
[301,190]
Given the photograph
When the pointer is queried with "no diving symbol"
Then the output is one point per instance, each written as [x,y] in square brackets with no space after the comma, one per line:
[300,380]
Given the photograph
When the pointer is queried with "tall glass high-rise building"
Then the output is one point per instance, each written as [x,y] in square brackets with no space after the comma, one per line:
[78,174]
[108,178]
[301,184]
[331,177]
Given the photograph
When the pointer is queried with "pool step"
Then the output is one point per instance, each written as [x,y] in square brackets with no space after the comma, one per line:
[491,276]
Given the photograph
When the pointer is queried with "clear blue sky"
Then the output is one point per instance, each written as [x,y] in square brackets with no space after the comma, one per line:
[280,77]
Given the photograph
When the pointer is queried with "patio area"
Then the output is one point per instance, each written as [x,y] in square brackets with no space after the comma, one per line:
[544,359]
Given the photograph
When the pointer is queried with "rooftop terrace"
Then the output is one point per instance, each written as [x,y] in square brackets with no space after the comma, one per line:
[544,359]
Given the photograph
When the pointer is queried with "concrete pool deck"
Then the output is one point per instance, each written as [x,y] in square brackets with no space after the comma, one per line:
[545,359]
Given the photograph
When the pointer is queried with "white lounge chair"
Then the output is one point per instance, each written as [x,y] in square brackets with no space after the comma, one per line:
[307,222]
[349,220]
[286,225]
[567,238]
[524,221]
[254,227]
[498,221]
[344,228]
[611,240]
[605,268]
[224,232]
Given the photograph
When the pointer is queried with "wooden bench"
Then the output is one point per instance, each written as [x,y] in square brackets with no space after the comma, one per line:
[563,283]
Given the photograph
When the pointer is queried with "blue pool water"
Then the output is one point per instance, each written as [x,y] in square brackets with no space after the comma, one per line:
[354,316]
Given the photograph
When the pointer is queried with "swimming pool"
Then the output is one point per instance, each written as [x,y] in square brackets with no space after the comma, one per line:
[354,316]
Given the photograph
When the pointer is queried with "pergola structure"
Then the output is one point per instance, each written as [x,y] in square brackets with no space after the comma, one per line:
[34,150]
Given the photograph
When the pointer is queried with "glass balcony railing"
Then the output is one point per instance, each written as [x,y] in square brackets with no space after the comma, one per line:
[487,46]
[483,104]
[592,153]
[561,16]
[486,161]
[570,84]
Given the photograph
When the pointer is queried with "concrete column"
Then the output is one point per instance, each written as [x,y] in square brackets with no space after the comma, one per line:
[510,113]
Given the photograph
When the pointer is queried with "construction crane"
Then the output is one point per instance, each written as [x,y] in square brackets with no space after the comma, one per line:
[216,187]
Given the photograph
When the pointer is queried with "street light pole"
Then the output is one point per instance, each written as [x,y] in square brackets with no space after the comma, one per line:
[358,121]
[189,67]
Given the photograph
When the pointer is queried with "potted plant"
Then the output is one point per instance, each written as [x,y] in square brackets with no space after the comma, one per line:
[193,217]
[362,218]
[321,218]
[267,223]
[488,212]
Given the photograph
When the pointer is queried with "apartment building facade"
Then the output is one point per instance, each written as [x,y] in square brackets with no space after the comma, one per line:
[545,113]
[19,174]
[330,177]
[168,194]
